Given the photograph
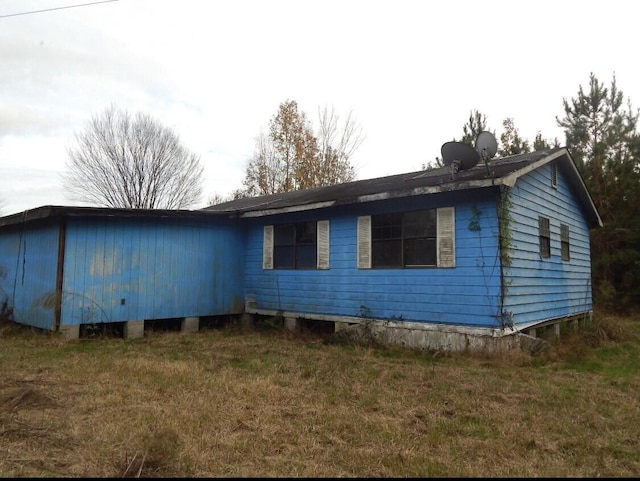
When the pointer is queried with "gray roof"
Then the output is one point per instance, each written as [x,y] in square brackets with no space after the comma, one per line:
[56,212]
[500,171]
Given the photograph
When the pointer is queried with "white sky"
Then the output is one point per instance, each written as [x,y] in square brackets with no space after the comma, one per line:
[216,71]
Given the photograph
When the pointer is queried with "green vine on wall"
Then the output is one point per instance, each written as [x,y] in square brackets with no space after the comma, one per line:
[474,221]
[505,239]
[505,232]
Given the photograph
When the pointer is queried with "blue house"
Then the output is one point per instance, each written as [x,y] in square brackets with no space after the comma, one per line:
[64,267]
[442,258]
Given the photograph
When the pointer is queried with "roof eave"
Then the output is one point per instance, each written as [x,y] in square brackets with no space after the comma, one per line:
[508,180]
[575,177]
[427,190]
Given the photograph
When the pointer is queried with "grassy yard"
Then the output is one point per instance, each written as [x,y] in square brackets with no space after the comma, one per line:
[231,403]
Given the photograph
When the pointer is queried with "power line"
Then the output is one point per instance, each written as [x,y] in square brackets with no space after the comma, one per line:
[56,8]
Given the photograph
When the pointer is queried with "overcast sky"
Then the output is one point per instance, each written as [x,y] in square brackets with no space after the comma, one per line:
[216,71]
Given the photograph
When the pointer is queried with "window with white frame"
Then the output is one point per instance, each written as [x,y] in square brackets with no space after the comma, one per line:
[424,238]
[300,245]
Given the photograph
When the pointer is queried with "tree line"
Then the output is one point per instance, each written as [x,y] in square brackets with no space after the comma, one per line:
[601,132]
[128,161]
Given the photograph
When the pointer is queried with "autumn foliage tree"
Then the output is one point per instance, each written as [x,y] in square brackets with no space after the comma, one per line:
[292,157]
[120,160]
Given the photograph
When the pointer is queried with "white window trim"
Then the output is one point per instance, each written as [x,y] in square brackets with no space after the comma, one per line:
[446,252]
[267,247]
[446,239]
[364,242]
[323,241]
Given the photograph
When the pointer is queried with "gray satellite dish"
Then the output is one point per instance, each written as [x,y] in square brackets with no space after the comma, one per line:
[486,145]
[460,155]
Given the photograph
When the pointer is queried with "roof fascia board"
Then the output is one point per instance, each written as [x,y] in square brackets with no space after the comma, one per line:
[287,210]
[587,195]
[374,197]
[510,180]
[473,184]
[583,193]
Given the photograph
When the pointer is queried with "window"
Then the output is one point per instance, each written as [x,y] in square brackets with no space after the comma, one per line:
[554,175]
[407,239]
[564,242]
[303,245]
[545,237]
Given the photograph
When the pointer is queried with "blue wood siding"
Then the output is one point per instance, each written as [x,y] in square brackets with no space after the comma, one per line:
[119,269]
[28,269]
[468,294]
[541,288]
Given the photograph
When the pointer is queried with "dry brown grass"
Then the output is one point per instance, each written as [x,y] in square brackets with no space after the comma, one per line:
[232,403]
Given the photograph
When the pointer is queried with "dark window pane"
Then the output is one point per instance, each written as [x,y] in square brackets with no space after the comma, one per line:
[545,236]
[295,246]
[386,226]
[283,257]
[420,224]
[420,252]
[306,233]
[306,257]
[386,253]
[404,239]
[543,225]
[284,235]
[545,246]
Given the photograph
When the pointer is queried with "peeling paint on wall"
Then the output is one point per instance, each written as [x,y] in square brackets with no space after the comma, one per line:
[106,264]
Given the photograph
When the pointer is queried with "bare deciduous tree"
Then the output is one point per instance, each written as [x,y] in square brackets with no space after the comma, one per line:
[132,162]
[265,173]
[336,145]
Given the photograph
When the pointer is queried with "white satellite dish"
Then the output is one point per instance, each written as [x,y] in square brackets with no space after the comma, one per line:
[486,145]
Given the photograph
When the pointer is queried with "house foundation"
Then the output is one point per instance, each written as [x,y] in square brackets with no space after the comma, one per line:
[133,330]
[291,323]
[70,331]
[428,336]
[190,325]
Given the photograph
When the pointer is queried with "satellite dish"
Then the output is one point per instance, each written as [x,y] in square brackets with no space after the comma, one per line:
[460,155]
[486,145]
